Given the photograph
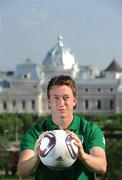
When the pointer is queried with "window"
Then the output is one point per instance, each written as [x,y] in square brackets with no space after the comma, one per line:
[4,105]
[14,103]
[111,89]
[33,104]
[111,104]
[23,104]
[99,89]
[26,75]
[86,104]
[98,104]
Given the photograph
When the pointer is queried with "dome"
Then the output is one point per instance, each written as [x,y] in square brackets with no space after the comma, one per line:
[59,56]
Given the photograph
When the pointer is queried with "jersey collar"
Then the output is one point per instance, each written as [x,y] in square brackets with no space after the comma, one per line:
[73,126]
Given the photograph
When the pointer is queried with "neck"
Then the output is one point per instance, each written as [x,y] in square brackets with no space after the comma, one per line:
[62,123]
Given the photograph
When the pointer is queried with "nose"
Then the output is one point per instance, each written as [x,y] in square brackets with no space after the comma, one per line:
[60,102]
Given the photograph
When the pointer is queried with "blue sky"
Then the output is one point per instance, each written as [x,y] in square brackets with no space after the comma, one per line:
[92,29]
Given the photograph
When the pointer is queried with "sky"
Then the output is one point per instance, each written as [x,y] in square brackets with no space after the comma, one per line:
[92,29]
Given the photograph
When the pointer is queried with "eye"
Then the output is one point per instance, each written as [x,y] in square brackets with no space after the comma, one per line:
[66,97]
[56,98]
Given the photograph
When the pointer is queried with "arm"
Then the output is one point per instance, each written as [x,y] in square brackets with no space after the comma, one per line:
[95,161]
[29,159]
[28,162]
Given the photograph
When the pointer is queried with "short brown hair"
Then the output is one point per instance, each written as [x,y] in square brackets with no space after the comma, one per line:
[61,80]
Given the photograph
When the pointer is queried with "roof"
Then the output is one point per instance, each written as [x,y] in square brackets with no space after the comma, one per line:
[99,81]
[26,71]
[114,67]
[59,56]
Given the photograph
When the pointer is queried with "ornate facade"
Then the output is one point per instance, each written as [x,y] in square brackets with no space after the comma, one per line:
[25,90]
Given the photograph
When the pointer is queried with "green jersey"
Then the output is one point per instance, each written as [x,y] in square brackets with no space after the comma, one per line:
[90,135]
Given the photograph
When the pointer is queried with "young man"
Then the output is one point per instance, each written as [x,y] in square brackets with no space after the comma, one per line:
[61,94]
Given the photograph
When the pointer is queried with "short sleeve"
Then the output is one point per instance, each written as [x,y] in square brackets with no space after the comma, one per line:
[96,137]
[28,142]
[31,136]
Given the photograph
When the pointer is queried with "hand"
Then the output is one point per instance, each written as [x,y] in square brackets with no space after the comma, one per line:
[36,149]
[95,160]
[78,143]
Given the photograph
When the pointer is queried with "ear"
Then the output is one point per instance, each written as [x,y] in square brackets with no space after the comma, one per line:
[75,101]
[49,104]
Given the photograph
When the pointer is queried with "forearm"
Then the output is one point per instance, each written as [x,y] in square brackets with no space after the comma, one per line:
[95,164]
[27,167]
[95,161]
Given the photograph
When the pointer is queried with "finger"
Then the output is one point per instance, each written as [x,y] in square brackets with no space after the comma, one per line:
[73,135]
[40,138]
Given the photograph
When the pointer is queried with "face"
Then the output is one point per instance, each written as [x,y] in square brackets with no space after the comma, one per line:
[61,101]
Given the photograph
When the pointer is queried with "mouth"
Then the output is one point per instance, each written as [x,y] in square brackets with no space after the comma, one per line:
[61,110]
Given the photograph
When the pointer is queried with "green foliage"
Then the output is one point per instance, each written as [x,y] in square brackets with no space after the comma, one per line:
[5,125]
[8,123]
[4,156]
[114,156]
[114,122]
[99,119]
[27,121]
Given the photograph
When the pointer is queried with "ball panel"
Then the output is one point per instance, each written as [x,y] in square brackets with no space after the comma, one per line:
[71,147]
[47,143]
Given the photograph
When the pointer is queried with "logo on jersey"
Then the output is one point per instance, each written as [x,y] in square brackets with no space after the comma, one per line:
[81,138]
[103,140]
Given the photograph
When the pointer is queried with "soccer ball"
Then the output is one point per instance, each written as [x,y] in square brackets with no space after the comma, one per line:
[57,150]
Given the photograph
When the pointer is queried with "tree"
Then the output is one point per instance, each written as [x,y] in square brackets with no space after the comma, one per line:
[114,156]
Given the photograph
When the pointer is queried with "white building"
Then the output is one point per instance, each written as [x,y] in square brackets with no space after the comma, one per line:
[25,91]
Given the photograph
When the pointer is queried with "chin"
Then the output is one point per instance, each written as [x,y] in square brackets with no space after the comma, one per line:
[63,116]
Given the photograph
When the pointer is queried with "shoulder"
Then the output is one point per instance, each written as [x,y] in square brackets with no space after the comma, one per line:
[34,132]
[89,128]
[29,139]
[92,134]
[37,128]
[87,124]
